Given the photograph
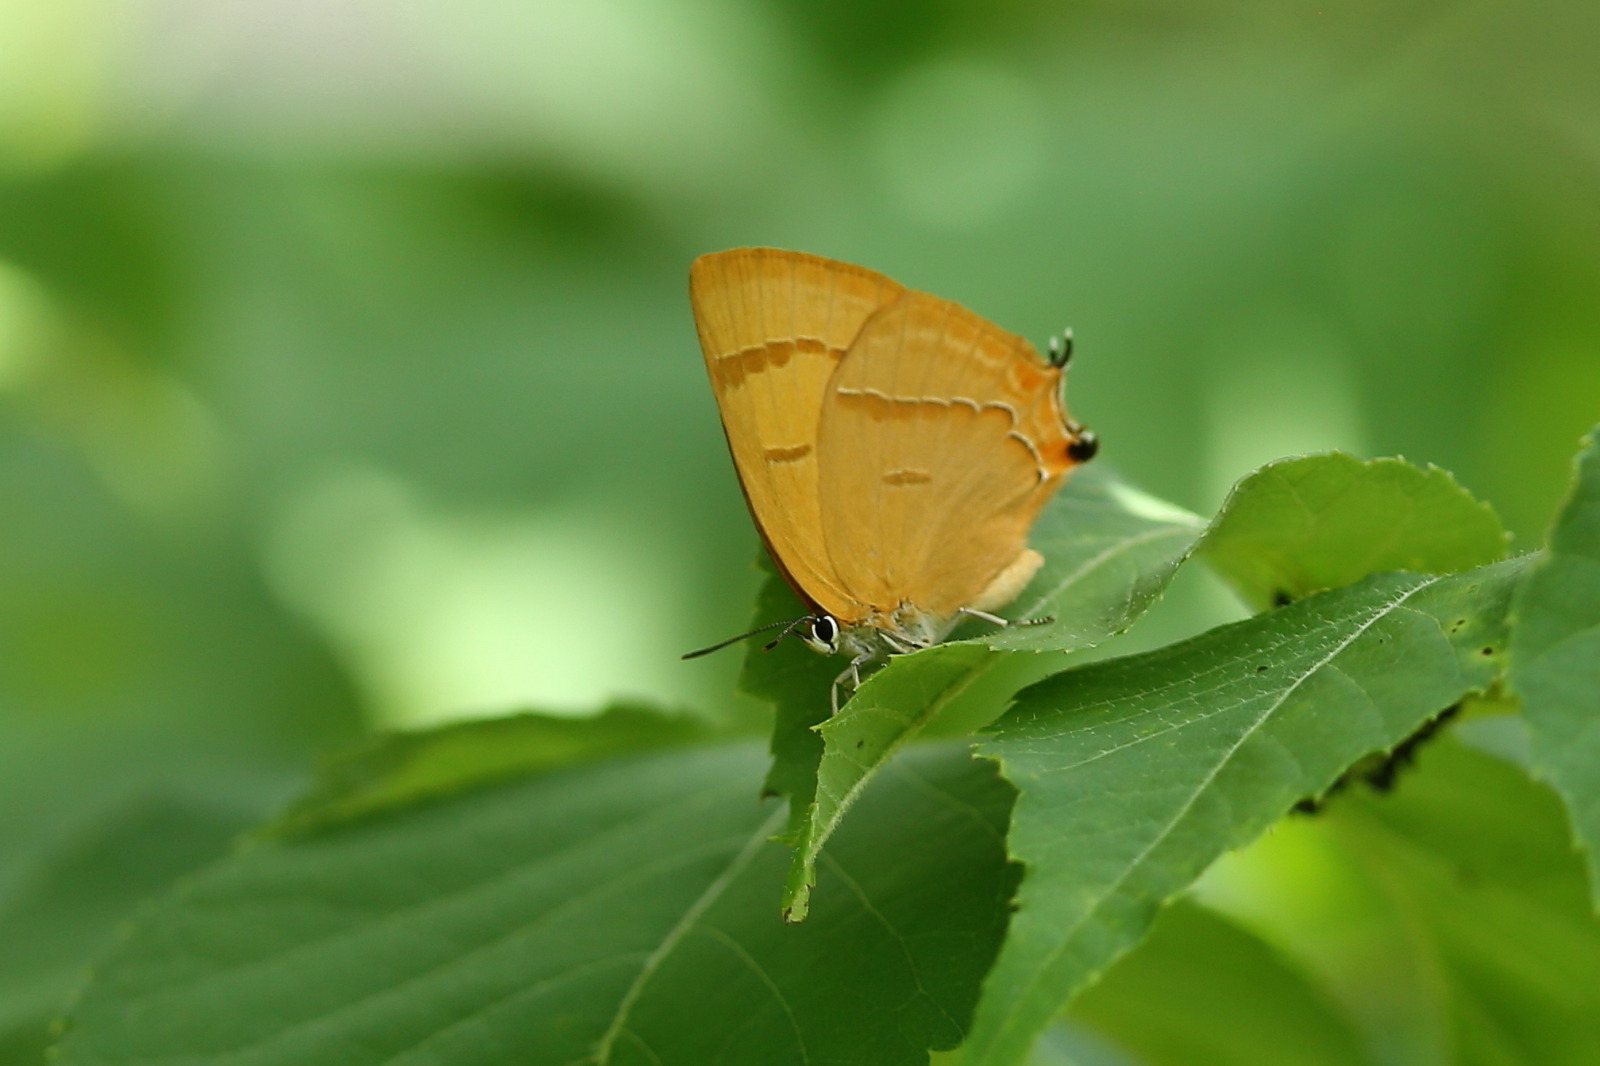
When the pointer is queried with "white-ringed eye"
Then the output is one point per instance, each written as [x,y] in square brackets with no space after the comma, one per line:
[824,634]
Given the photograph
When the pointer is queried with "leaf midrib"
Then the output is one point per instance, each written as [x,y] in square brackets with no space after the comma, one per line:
[1166,830]
[675,935]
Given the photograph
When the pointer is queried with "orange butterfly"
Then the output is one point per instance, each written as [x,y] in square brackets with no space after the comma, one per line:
[894,447]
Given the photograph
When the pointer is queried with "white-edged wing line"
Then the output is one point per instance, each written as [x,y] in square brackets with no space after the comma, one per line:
[976,406]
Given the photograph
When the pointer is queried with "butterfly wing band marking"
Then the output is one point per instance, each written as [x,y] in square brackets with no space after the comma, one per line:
[731,368]
[940,401]
[792,454]
[778,349]
[907,476]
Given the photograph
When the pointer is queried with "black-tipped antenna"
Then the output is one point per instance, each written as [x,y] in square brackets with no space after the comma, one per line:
[734,640]
[1060,348]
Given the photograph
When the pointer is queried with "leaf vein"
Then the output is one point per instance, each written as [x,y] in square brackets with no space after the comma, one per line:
[766,979]
[1171,823]
[675,935]
[1094,562]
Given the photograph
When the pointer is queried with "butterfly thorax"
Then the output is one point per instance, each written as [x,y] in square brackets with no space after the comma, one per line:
[907,628]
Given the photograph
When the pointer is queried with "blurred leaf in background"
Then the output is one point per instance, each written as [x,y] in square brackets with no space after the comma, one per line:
[424,296]
[1450,921]
[347,377]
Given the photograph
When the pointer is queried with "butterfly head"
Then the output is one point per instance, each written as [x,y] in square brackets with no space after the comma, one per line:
[822,634]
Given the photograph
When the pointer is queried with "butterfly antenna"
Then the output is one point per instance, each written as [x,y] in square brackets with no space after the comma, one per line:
[1060,348]
[734,640]
[796,624]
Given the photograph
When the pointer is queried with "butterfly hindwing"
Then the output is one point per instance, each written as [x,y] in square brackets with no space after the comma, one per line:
[941,437]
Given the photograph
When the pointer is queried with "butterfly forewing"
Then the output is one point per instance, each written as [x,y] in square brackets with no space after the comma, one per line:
[773,326]
[941,437]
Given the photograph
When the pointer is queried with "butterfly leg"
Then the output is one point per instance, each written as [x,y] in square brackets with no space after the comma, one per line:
[852,673]
[1004,623]
[900,645]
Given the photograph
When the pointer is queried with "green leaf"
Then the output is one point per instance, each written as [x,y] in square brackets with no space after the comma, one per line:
[1134,774]
[1476,857]
[395,770]
[136,663]
[1201,989]
[1109,550]
[1450,915]
[154,701]
[65,910]
[1320,521]
[1555,656]
[612,912]
[795,680]
[1067,1044]
[27,1045]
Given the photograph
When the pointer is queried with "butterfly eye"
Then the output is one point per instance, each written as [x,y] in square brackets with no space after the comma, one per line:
[825,631]
[1083,447]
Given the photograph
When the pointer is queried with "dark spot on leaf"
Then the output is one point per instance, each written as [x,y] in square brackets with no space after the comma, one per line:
[860,742]
[1261,669]
[1486,651]
[1455,627]
[1281,598]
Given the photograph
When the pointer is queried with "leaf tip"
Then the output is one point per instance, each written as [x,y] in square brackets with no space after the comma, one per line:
[796,904]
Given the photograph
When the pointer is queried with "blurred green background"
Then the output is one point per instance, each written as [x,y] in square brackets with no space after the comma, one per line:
[347,374]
